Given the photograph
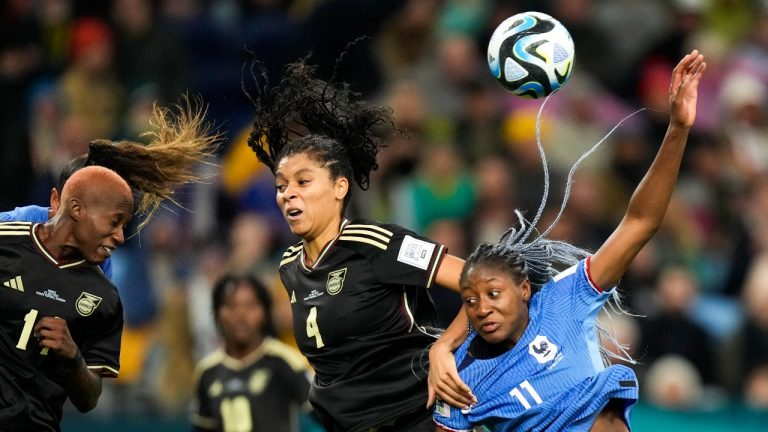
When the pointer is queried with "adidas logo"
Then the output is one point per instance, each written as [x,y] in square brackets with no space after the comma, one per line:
[15,283]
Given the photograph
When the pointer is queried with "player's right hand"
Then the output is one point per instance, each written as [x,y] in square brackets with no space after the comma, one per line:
[444,381]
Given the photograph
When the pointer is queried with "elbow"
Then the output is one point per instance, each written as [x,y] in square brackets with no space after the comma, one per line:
[87,404]
[86,399]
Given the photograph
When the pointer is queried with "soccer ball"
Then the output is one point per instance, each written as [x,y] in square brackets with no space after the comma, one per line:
[531,54]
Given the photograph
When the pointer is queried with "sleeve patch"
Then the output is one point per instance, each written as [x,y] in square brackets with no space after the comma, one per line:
[415,252]
[442,409]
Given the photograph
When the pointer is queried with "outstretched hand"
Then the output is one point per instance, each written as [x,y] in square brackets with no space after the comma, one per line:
[683,90]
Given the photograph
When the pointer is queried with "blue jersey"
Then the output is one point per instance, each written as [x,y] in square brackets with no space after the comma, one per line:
[37,214]
[554,378]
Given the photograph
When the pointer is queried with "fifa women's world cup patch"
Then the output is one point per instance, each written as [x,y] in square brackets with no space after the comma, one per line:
[415,252]
[442,409]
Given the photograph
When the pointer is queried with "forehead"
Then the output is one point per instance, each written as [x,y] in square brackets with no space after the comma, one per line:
[241,291]
[487,274]
[299,162]
[114,202]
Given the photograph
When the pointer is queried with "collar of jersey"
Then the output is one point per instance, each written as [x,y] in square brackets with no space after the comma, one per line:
[302,260]
[251,358]
[44,252]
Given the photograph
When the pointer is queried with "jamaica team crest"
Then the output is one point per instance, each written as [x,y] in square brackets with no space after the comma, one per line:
[87,303]
[335,281]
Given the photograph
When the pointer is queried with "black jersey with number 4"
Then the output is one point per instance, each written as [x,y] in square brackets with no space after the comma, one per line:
[363,318]
[262,392]
[33,285]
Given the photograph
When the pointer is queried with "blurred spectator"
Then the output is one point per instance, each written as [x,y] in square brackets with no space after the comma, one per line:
[20,61]
[441,189]
[672,331]
[91,93]
[748,349]
[452,234]
[493,212]
[756,388]
[673,383]
[621,338]
[146,53]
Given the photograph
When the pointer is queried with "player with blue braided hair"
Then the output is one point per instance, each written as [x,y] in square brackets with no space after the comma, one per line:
[532,355]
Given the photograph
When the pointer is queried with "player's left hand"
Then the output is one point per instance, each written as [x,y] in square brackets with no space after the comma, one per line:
[683,89]
[53,333]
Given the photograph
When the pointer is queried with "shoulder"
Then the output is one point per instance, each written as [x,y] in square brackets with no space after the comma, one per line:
[15,232]
[286,353]
[364,234]
[374,236]
[291,254]
[209,362]
[30,213]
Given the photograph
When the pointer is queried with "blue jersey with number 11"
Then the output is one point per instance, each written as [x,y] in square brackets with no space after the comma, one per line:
[554,378]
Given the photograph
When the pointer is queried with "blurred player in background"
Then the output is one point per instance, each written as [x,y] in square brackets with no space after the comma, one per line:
[256,382]
[537,362]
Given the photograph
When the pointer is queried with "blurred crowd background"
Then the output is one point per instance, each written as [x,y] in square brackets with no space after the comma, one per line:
[72,71]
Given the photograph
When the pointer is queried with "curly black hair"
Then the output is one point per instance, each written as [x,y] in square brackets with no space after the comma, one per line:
[326,120]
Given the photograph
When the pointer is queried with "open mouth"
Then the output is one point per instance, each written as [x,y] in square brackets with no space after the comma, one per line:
[107,250]
[293,213]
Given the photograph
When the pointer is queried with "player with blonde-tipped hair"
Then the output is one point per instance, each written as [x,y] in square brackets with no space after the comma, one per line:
[61,319]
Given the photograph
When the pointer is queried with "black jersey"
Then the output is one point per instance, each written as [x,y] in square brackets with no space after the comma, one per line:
[33,285]
[261,392]
[363,318]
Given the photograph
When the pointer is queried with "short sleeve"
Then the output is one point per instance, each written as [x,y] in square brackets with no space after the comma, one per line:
[574,291]
[102,356]
[408,259]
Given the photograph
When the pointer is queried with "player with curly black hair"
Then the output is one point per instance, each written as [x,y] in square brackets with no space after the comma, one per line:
[362,313]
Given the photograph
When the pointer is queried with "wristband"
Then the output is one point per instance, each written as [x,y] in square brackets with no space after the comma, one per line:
[73,363]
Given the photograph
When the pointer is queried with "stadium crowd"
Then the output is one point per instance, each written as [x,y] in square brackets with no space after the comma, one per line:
[72,71]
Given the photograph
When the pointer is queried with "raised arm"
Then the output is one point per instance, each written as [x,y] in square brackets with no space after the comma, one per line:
[649,202]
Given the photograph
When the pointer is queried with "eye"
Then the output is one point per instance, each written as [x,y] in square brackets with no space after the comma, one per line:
[470,301]
[493,294]
[303,182]
[280,187]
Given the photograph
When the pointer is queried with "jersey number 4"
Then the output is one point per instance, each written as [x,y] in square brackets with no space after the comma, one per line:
[313,331]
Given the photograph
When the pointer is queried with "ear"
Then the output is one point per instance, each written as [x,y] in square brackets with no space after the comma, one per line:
[76,209]
[341,188]
[54,203]
[525,288]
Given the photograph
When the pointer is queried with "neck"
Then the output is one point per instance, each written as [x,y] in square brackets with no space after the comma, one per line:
[314,247]
[241,350]
[55,241]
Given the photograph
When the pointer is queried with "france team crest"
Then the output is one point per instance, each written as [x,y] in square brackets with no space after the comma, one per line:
[542,349]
